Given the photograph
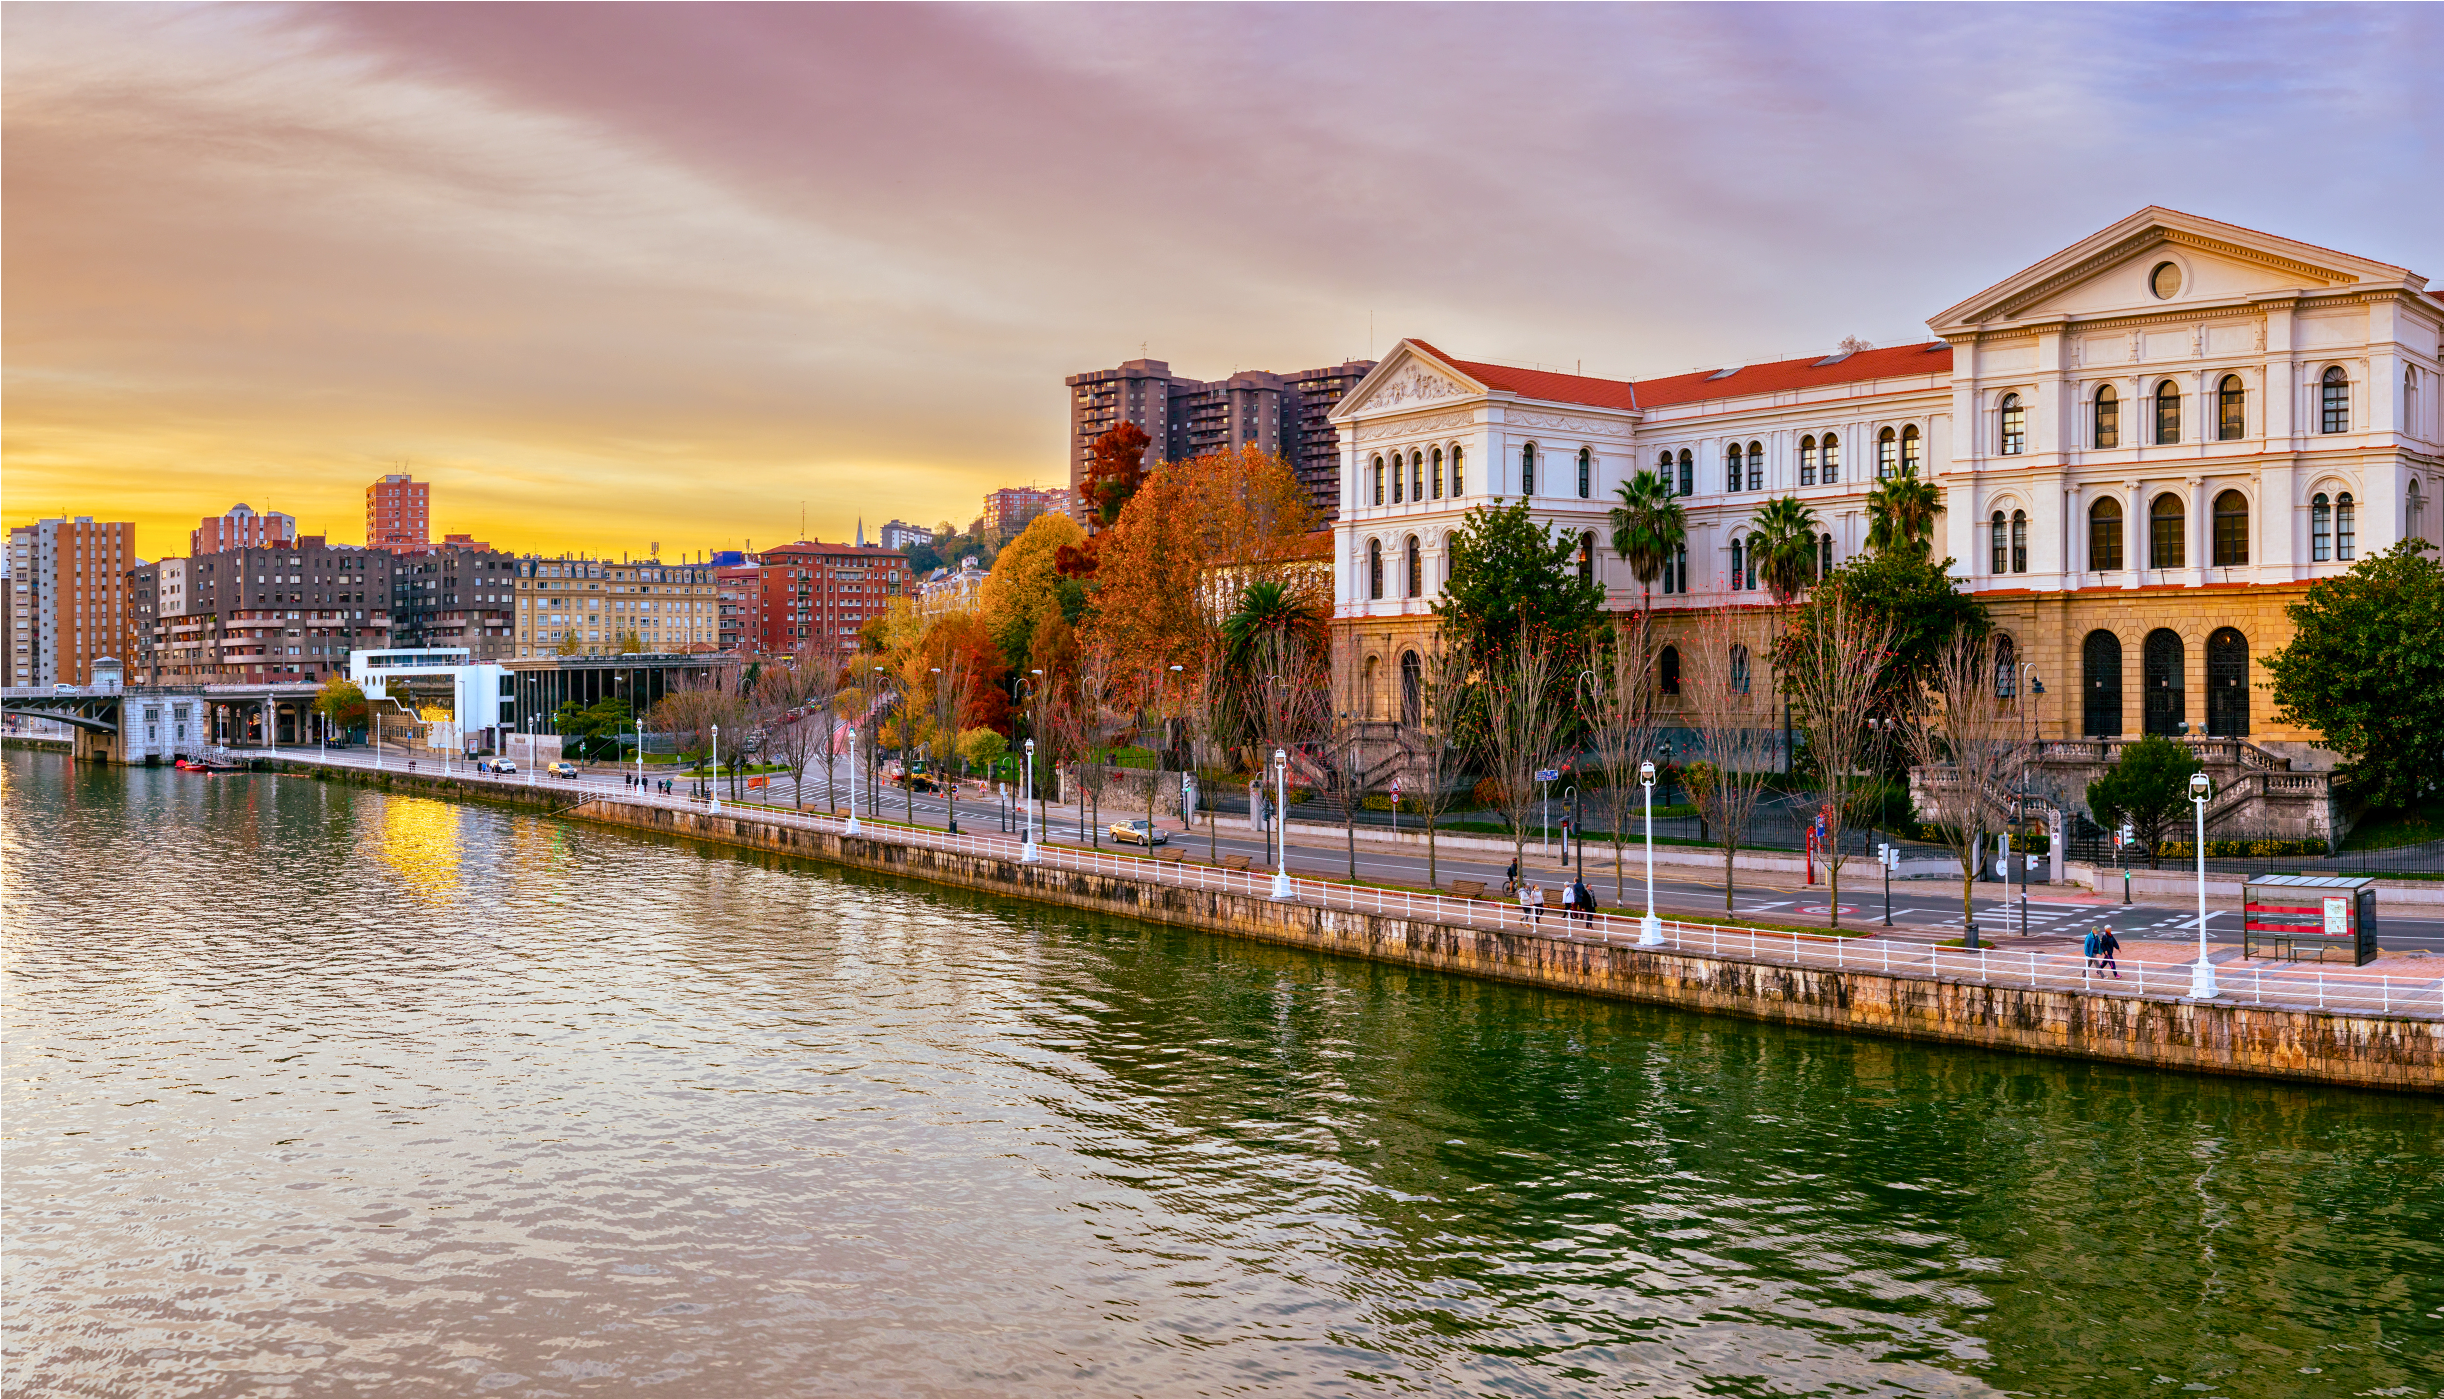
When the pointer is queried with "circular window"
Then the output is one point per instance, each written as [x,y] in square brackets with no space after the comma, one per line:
[2165,280]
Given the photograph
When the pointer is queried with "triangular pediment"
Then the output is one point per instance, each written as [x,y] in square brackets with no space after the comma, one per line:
[2116,272]
[1409,377]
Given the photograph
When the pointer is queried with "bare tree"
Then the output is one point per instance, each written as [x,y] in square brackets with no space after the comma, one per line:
[1430,743]
[1340,730]
[1207,722]
[1047,725]
[1832,665]
[953,685]
[688,713]
[1965,741]
[1290,697]
[1732,711]
[1617,701]
[792,732]
[1523,725]
[1095,725]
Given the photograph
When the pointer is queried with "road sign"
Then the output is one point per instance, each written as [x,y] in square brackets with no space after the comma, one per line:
[1548,774]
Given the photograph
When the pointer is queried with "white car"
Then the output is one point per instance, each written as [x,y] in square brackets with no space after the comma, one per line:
[499,765]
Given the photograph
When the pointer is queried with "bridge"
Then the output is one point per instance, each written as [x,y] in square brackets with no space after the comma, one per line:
[155,723]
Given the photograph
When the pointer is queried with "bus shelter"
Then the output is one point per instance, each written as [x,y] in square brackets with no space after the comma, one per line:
[2303,917]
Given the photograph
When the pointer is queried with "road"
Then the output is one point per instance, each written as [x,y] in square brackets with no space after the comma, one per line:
[1922,910]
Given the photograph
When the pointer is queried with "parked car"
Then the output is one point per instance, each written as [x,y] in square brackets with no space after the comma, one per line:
[561,770]
[498,765]
[1139,833]
[917,782]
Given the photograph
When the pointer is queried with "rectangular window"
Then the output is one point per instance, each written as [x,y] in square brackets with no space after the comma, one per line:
[2164,543]
[2104,542]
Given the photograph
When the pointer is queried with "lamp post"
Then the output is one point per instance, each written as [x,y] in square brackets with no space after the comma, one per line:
[1027,853]
[1186,777]
[640,755]
[853,827]
[1650,931]
[2035,686]
[2202,977]
[715,789]
[1281,824]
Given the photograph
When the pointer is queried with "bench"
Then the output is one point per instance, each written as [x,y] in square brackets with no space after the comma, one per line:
[1467,888]
[1235,862]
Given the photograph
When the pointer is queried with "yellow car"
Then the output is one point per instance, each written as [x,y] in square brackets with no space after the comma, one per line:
[1138,833]
[561,770]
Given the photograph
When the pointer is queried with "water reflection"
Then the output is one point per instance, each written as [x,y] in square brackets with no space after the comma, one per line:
[610,1114]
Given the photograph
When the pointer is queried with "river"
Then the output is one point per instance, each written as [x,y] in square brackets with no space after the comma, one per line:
[314,1091]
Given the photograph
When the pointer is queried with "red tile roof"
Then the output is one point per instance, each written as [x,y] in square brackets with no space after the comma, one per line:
[1928,357]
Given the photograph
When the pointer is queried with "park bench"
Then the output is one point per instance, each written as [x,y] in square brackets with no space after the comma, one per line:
[1235,862]
[1468,888]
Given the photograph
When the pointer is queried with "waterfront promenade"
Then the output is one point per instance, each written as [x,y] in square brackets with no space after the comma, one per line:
[2381,1025]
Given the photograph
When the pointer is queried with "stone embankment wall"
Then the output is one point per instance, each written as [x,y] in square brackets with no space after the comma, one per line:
[2358,1050]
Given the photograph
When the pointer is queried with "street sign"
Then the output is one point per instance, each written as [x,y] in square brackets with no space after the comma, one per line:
[1548,774]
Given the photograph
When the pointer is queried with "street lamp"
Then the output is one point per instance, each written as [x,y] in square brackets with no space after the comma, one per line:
[853,827]
[640,755]
[1650,931]
[1027,853]
[1281,824]
[2202,977]
[715,790]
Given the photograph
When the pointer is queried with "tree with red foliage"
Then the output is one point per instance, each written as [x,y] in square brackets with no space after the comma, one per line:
[1115,469]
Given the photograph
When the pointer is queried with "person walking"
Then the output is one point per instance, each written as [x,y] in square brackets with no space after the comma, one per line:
[1569,903]
[1510,876]
[2095,936]
[1586,903]
[2106,946]
[1539,891]
[1527,904]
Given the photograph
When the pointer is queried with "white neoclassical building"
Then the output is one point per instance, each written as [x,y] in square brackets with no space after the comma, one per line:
[2146,445]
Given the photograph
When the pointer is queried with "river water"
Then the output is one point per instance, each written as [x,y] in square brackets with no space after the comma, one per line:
[312,1091]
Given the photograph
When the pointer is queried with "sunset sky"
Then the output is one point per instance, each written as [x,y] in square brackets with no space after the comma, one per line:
[617,275]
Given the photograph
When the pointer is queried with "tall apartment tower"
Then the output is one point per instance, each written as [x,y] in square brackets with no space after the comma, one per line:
[241,528]
[73,606]
[398,513]
[1279,413]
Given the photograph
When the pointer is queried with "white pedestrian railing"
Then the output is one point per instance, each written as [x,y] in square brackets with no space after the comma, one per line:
[2284,985]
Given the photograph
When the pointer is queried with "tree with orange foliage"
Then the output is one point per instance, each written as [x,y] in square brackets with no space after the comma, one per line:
[965,638]
[1190,542]
[1116,468]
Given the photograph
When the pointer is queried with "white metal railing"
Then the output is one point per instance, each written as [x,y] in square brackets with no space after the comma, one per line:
[2287,985]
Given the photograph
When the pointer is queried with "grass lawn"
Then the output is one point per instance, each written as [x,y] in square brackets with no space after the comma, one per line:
[2383,830]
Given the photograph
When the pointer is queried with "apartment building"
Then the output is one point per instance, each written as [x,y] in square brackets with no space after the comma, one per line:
[818,596]
[68,581]
[899,534]
[595,607]
[287,613]
[459,594]
[1285,414]
[741,589]
[1012,508]
[398,513]
[241,528]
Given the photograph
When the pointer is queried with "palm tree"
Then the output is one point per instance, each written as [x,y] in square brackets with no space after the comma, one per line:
[1783,541]
[1901,513]
[1269,609]
[1646,527]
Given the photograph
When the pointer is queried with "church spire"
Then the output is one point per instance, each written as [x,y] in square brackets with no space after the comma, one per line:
[861,531]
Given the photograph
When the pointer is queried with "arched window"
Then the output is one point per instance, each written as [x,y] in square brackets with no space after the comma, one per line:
[1912,455]
[2160,663]
[1586,472]
[1832,456]
[2019,541]
[1750,578]
[1663,472]
[2006,668]
[1373,665]
[1887,454]
[2414,512]
[1824,556]
[1527,469]
[2105,535]
[2100,664]
[2231,409]
[1688,472]
[1456,487]
[2227,684]
[2410,403]
[2167,413]
[2320,529]
[1586,557]
[1414,567]
[1999,540]
[1756,466]
[2346,528]
[1667,670]
[2231,530]
[1417,476]
[1400,478]
[1738,553]
[2014,438]
[1378,480]
[1732,472]
[1412,687]
[1374,569]
[2336,395]
[2166,548]
[1739,670]
[1436,477]
[2108,417]
[1807,460]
